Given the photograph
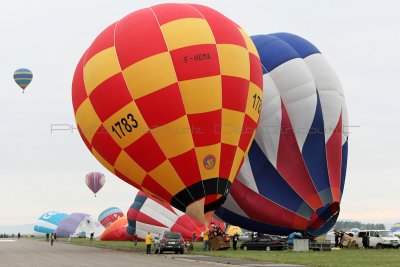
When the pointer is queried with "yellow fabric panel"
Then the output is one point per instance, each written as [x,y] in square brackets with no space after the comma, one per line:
[187,32]
[99,68]
[253,104]
[87,119]
[249,43]
[174,138]
[103,161]
[129,137]
[234,60]
[128,167]
[239,155]
[232,123]
[150,74]
[202,95]
[166,175]
[201,153]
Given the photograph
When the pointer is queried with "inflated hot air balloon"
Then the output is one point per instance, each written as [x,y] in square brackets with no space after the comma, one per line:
[168,99]
[293,177]
[48,222]
[79,224]
[109,216]
[148,214]
[23,77]
[95,181]
[116,231]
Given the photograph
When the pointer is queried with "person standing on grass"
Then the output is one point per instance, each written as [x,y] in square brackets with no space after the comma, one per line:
[235,240]
[336,239]
[206,241]
[365,241]
[149,240]
[194,237]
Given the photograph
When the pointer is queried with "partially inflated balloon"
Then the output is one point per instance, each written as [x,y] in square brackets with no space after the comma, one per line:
[77,224]
[23,77]
[95,181]
[148,214]
[48,222]
[110,215]
[168,99]
[395,228]
[293,177]
[116,231]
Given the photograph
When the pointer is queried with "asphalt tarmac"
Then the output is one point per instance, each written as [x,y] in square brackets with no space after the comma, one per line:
[33,253]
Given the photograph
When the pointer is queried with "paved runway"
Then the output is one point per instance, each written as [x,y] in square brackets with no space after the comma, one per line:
[32,253]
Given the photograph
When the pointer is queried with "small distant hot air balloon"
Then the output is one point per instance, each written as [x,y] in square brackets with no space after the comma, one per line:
[95,181]
[23,77]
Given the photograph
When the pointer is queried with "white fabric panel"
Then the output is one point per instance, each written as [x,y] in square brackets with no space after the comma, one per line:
[158,212]
[143,228]
[268,130]
[90,225]
[345,122]
[232,206]
[329,90]
[246,175]
[46,224]
[178,212]
[298,92]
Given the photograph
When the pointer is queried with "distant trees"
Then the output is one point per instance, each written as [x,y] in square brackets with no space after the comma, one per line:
[354,224]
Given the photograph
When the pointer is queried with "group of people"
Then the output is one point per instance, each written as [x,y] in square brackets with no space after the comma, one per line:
[209,234]
[51,237]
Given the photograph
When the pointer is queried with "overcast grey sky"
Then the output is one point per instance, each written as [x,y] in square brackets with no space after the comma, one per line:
[41,171]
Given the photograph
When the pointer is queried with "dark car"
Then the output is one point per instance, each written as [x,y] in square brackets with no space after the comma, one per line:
[265,242]
[169,241]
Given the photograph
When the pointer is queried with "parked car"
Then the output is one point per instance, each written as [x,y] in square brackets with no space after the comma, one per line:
[245,236]
[264,242]
[378,238]
[169,241]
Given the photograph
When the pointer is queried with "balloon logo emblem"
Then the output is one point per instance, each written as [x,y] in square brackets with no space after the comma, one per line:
[209,162]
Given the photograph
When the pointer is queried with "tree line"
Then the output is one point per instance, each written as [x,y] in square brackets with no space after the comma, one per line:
[363,226]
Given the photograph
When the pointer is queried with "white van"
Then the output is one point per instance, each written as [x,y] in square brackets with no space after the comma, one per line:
[378,238]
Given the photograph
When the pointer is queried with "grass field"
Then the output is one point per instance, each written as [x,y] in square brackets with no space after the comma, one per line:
[339,258]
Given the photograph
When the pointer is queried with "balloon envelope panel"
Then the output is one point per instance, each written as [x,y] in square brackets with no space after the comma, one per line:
[296,166]
[160,99]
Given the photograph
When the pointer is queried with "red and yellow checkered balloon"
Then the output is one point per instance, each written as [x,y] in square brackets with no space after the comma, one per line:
[168,99]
